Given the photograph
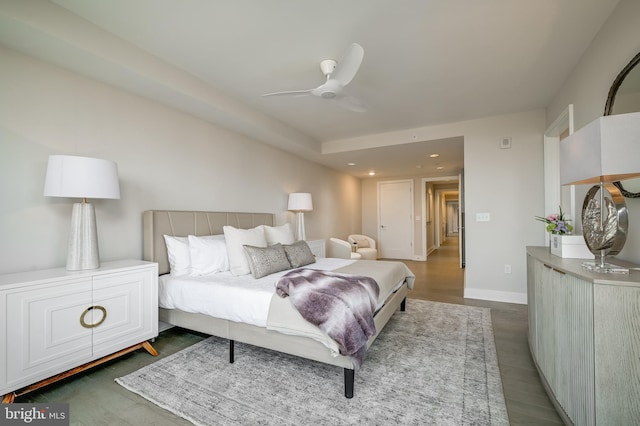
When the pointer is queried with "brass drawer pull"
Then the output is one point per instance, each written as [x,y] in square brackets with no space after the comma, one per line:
[86,311]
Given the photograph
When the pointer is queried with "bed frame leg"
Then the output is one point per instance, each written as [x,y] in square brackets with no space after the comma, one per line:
[403,305]
[231,354]
[349,376]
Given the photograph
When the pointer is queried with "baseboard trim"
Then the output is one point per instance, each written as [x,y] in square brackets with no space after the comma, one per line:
[495,296]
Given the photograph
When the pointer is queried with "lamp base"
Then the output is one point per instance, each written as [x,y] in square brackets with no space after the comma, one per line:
[300,232]
[83,239]
[604,268]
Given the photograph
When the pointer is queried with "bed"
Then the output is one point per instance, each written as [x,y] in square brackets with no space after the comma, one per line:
[309,343]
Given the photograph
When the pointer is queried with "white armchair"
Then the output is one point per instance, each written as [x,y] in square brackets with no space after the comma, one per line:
[366,246]
[342,249]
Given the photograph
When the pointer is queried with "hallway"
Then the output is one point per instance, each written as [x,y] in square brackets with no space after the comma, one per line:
[441,279]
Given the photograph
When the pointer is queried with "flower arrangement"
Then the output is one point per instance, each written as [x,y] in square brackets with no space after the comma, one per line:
[556,223]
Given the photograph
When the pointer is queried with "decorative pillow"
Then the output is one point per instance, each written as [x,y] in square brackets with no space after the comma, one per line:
[265,261]
[278,234]
[299,254]
[364,243]
[178,254]
[208,254]
[236,239]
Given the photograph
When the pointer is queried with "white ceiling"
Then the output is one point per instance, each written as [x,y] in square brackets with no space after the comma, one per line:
[426,62]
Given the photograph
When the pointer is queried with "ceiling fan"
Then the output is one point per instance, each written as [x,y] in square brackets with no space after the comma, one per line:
[338,74]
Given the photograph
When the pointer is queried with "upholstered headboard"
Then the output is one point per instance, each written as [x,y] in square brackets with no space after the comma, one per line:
[158,223]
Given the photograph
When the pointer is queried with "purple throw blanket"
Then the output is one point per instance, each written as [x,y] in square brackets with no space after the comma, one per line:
[340,305]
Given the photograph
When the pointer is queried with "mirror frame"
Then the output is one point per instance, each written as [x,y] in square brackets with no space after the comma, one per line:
[608,109]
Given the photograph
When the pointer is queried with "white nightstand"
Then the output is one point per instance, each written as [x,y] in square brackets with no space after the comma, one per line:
[318,247]
[59,321]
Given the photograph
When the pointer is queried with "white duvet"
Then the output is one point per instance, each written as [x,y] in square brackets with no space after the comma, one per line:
[223,295]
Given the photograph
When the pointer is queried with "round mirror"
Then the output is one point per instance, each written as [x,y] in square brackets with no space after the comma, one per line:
[624,97]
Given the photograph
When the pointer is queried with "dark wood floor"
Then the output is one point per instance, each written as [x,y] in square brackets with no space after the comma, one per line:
[95,399]
[441,279]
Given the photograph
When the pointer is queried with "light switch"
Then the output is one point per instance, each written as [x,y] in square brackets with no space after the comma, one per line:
[483,217]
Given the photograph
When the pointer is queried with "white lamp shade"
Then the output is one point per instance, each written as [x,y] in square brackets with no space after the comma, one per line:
[606,149]
[300,202]
[81,177]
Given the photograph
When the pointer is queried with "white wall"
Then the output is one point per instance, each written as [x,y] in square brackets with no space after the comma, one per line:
[587,88]
[167,160]
[507,183]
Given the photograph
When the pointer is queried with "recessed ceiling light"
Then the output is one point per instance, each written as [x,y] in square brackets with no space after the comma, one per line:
[372,173]
[351,164]
[440,168]
[434,155]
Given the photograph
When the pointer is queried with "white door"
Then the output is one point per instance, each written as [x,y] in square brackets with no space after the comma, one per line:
[395,219]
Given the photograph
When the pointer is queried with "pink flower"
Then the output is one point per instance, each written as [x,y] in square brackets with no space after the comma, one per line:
[556,223]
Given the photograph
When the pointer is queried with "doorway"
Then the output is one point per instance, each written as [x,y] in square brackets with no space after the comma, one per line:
[452,215]
[441,199]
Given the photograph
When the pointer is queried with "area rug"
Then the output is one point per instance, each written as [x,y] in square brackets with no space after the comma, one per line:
[434,364]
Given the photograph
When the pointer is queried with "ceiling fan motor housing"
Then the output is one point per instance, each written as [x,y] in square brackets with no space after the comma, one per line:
[329,89]
[327,66]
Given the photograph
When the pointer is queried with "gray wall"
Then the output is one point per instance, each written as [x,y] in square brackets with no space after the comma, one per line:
[167,160]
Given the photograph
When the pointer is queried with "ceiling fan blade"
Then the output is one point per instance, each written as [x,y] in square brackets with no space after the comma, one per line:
[348,66]
[351,103]
[290,92]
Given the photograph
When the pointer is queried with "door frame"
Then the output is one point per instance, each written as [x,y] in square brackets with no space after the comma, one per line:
[412,208]
[436,216]
[552,187]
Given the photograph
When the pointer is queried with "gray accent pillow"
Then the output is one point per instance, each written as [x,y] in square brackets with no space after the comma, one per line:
[299,254]
[266,260]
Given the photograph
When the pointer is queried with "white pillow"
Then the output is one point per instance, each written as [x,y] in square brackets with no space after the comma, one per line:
[236,239]
[178,254]
[278,234]
[208,255]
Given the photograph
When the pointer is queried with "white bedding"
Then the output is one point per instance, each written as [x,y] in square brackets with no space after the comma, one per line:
[223,295]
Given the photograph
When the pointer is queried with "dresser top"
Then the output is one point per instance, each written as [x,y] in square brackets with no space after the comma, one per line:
[574,267]
[54,274]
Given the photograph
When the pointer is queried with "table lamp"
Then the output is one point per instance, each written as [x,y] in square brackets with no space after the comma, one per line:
[602,152]
[82,177]
[300,202]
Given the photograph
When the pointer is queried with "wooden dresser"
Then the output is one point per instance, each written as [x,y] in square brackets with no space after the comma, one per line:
[584,335]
